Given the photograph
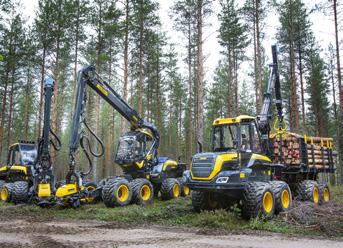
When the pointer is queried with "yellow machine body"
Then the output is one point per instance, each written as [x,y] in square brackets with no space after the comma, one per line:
[44,190]
[67,190]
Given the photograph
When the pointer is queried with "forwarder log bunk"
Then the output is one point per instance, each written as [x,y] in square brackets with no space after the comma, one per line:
[309,153]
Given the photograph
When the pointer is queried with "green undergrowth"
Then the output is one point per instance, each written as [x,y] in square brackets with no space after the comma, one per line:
[177,213]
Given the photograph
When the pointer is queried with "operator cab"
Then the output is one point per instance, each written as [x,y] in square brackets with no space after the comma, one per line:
[132,147]
[235,134]
[23,154]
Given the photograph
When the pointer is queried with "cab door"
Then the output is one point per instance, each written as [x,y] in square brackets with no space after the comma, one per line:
[13,156]
[245,144]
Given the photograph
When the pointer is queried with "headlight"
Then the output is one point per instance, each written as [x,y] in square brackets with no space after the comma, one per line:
[222,180]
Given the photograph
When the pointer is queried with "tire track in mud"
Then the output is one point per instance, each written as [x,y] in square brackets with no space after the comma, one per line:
[71,233]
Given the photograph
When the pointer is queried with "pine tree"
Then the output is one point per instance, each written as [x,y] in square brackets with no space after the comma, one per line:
[255,13]
[183,14]
[13,50]
[318,103]
[233,38]
[295,38]
[144,19]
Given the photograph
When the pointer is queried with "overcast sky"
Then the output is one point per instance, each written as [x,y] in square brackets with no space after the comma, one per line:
[322,28]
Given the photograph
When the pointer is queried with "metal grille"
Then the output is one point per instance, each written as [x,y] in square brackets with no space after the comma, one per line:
[202,167]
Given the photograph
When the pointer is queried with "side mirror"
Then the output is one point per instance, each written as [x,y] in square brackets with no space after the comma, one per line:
[199,147]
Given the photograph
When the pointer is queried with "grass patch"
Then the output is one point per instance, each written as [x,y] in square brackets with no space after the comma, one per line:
[337,193]
[178,213]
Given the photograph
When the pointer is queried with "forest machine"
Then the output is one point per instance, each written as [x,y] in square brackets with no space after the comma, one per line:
[241,168]
[144,174]
[28,175]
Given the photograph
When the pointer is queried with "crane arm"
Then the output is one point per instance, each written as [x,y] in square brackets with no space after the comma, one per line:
[88,76]
[43,158]
[265,115]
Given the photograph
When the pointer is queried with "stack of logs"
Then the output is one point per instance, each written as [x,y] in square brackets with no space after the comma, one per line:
[291,154]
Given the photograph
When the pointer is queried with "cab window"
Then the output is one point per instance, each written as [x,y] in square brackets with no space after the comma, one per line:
[245,137]
[256,140]
[224,138]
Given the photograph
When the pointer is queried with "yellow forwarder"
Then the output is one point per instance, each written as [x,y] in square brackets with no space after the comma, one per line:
[239,168]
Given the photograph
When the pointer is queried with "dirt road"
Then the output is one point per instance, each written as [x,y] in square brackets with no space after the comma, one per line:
[33,233]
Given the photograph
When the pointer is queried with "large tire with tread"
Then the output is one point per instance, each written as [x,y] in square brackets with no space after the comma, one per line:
[142,191]
[6,192]
[170,189]
[117,192]
[2,183]
[308,190]
[202,201]
[20,192]
[283,196]
[91,186]
[185,190]
[258,200]
[324,193]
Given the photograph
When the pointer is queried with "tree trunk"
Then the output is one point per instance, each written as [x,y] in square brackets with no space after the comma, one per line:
[26,107]
[126,57]
[339,76]
[200,74]
[141,54]
[76,49]
[236,83]
[3,112]
[10,114]
[97,101]
[229,85]
[302,90]
[294,98]
[259,90]
[189,143]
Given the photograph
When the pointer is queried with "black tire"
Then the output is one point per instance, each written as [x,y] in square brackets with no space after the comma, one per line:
[2,183]
[7,195]
[308,190]
[142,191]
[258,200]
[170,189]
[202,201]
[283,196]
[116,192]
[324,193]
[20,192]
[185,190]
[91,186]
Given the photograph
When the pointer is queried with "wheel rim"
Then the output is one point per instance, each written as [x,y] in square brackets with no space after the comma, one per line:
[326,194]
[285,199]
[145,193]
[90,189]
[122,193]
[4,194]
[176,190]
[268,202]
[186,190]
[315,194]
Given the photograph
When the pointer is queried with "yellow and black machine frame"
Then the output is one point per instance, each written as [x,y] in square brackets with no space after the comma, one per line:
[239,167]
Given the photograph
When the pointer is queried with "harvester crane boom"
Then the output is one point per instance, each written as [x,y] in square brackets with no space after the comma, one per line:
[265,115]
[88,76]
[43,160]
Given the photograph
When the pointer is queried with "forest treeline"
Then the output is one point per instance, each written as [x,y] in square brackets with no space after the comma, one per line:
[124,40]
